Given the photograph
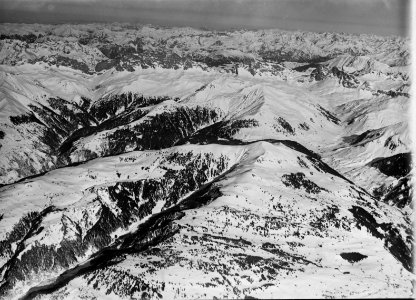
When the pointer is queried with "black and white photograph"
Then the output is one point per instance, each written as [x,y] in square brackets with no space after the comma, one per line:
[206,149]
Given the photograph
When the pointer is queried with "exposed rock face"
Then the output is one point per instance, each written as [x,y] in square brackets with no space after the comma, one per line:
[149,163]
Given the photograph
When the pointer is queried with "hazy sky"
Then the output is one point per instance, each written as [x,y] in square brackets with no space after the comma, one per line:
[382,17]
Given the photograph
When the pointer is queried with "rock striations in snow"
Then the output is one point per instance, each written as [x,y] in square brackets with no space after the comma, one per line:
[139,162]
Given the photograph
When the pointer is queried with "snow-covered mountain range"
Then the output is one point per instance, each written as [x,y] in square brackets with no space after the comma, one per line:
[145,162]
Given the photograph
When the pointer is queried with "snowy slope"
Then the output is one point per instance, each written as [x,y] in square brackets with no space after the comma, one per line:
[271,213]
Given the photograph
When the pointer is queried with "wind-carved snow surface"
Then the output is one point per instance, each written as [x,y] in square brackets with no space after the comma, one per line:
[150,163]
